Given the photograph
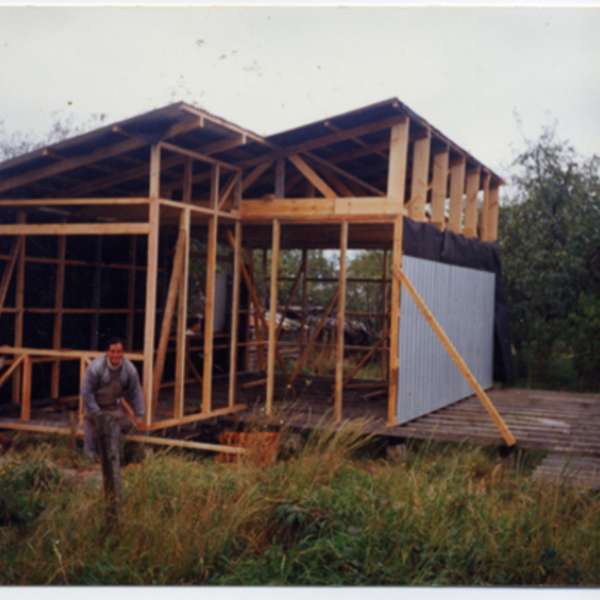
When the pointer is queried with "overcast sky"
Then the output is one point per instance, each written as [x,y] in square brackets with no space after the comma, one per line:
[468,71]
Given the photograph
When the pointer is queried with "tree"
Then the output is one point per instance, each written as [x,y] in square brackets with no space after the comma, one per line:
[550,244]
[18,143]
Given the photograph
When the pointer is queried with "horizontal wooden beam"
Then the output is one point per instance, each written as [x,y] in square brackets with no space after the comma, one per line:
[74,354]
[158,441]
[330,209]
[76,229]
[197,417]
[325,140]
[74,201]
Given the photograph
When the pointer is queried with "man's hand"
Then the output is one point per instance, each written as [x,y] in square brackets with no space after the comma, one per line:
[139,424]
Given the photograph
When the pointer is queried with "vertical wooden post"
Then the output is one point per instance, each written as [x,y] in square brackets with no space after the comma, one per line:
[182,307]
[420,178]
[272,317]
[341,318]
[485,209]
[96,295]
[439,188]
[151,279]
[457,190]
[235,302]
[131,293]
[493,212]
[250,258]
[304,298]
[470,226]
[397,182]
[384,310]
[58,315]
[279,178]
[82,368]
[20,306]
[26,405]
[209,306]
[394,369]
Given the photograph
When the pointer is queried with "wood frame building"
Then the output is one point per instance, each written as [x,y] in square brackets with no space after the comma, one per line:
[177,173]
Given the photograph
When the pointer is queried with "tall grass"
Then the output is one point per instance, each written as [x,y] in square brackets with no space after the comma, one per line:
[328,514]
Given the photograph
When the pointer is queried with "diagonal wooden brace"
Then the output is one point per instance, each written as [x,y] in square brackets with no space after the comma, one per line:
[456,357]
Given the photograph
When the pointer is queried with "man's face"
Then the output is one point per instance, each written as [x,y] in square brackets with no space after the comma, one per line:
[115,354]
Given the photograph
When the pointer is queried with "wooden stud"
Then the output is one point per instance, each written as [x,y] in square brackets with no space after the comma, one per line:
[494,210]
[177,274]
[439,188]
[209,310]
[341,318]
[131,293]
[457,191]
[279,178]
[470,226]
[58,316]
[272,317]
[458,361]
[26,387]
[397,161]
[394,359]
[19,305]
[235,308]
[420,178]
[75,229]
[304,299]
[384,311]
[94,333]
[8,269]
[485,209]
[249,280]
[182,309]
[152,279]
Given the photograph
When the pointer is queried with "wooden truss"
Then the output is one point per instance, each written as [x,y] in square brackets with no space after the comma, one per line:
[237,189]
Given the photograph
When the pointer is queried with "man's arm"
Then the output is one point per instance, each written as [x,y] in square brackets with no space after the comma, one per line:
[88,388]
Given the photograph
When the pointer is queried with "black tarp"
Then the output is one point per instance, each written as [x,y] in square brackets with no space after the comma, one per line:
[422,240]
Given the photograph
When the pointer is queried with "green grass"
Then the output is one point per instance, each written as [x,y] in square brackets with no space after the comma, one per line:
[330,513]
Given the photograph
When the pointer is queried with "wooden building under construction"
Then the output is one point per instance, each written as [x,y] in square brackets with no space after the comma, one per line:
[97,233]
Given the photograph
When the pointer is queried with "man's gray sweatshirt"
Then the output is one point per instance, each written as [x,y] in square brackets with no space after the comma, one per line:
[99,374]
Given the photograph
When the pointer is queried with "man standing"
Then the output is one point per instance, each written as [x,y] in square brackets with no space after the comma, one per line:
[106,380]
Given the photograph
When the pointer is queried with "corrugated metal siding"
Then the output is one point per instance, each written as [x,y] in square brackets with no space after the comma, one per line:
[462,301]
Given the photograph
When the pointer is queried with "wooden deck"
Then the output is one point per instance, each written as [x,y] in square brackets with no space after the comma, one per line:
[562,422]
